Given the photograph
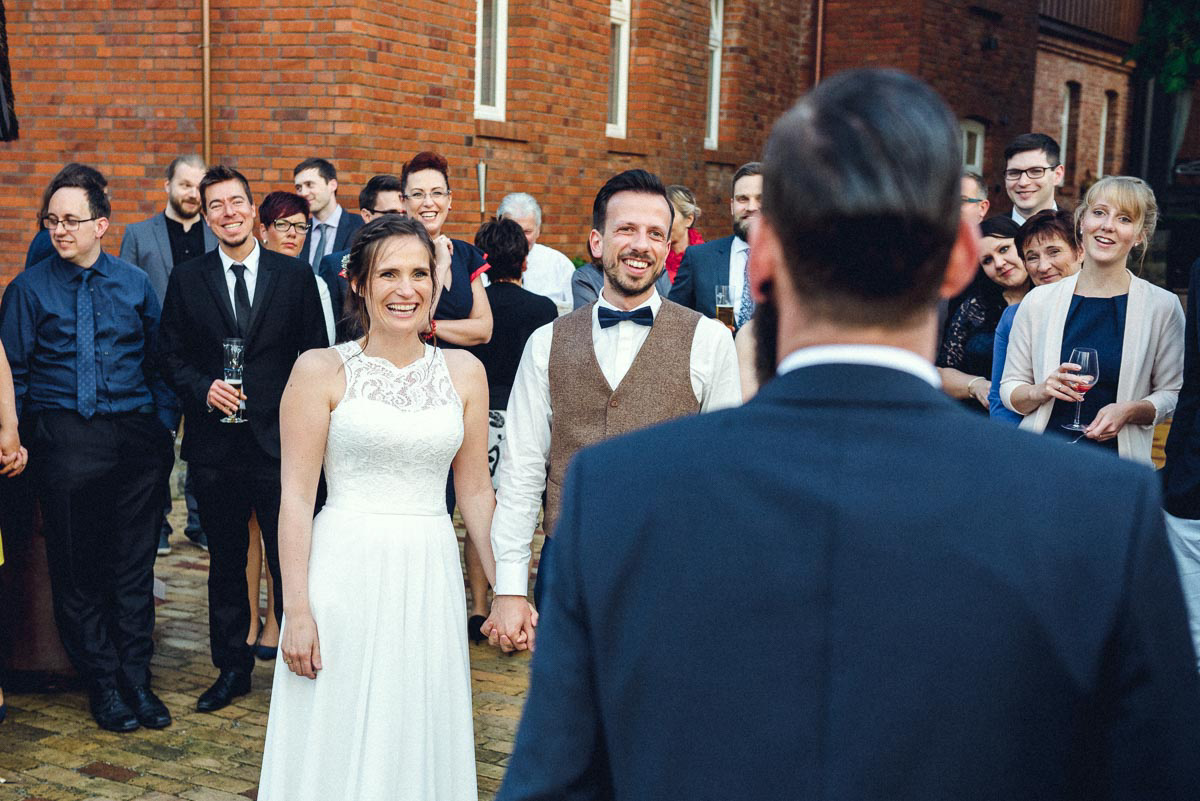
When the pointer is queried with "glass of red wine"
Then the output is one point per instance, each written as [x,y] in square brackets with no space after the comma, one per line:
[1089,371]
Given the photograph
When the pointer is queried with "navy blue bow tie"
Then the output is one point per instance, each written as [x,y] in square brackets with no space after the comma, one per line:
[610,317]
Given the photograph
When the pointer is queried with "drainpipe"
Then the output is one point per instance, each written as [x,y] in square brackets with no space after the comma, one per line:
[818,56]
[206,71]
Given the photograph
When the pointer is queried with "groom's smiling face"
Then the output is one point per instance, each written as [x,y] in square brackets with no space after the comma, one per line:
[633,246]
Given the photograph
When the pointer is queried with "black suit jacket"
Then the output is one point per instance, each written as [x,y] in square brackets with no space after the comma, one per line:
[1181,475]
[285,321]
[858,594]
[347,225]
[703,269]
[330,271]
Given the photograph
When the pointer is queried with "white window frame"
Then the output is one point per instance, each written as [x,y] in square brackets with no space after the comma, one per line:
[716,37]
[494,111]
[1103,138]
[973,161]
[620,13]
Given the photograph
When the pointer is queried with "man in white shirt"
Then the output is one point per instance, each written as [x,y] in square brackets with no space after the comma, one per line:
[1033,170]
[722,262]
[547,271]
[316,181]
[842,590]
[664,361]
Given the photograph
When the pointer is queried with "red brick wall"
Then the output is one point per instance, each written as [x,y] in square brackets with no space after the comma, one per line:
[367,85]
[1097,72]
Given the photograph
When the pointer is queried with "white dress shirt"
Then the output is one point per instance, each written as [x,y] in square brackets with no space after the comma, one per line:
[521,477]
[314,236]
[1019,220]
[873,355]
[739,253]
[251,262]
[548,272]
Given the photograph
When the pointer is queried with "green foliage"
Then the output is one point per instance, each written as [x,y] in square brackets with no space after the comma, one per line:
[1168,44]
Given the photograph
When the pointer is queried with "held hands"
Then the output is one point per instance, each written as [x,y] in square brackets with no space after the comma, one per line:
[511,625]
[224,397]
[1059,385]
[13,457]
[300,646]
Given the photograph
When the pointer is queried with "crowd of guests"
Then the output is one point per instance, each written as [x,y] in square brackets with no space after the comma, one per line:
[106,358]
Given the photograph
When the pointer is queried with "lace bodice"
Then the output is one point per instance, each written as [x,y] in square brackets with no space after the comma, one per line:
[393,435]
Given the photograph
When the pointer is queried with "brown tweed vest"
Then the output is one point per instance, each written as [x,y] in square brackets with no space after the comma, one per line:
[587,410]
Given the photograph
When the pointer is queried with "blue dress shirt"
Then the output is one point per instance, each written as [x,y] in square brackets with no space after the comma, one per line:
[37,327]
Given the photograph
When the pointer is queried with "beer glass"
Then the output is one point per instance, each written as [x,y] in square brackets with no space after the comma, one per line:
[725,305]
[234,354]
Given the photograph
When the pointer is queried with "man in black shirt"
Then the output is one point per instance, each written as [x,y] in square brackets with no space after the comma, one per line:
[156,245]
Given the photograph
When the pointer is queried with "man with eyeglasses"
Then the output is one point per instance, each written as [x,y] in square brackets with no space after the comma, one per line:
[383,194]
[79,328]
[316,181]
[1032,171]
[269,301]
[158,244]
[975,203]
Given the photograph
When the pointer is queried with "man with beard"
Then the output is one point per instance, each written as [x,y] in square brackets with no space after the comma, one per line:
[626,361]
[157,245]
[722,262]
[891,620]
[269,301]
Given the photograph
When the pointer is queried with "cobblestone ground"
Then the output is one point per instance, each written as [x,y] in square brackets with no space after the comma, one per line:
[51,750]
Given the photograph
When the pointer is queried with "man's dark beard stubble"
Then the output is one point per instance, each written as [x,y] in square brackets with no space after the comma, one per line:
[766,335]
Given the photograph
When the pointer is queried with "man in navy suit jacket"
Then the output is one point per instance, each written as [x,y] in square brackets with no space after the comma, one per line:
[857,594]
[332,226]
[722,262]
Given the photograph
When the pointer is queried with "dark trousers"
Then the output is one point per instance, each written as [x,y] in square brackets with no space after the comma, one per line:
[99,483]
[226,497]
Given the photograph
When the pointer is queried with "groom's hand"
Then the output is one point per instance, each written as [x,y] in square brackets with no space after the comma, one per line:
[510,626]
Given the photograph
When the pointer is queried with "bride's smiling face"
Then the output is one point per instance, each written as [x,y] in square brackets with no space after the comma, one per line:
[400,286]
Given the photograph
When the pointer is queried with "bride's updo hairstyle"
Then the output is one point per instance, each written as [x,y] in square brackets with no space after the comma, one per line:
[365,247]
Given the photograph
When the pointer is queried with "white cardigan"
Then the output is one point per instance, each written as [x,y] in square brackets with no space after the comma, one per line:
[1151,354]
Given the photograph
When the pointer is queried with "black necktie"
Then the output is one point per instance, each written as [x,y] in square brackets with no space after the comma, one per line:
[241,298]
[610,317]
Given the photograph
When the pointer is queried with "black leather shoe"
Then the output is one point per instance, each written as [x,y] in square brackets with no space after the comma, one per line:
[150,711]
[229,685]
[111,712]
[475,628]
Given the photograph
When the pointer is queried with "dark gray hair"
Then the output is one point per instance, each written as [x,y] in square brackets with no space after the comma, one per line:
[518,204]
[980,186]
[861,182]
[191,159]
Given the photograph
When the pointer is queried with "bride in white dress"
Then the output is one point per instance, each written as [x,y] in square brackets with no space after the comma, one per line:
[372,699]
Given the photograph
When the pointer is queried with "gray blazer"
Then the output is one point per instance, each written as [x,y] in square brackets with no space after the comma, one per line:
[146,244]
[588,280]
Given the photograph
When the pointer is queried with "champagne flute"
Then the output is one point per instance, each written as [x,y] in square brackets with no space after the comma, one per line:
[724,302]
[1089,371]
[234,359]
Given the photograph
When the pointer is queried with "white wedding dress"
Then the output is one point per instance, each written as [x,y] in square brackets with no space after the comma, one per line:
[388,718]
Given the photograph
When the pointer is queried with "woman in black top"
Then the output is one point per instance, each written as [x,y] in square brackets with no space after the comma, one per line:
[965,356]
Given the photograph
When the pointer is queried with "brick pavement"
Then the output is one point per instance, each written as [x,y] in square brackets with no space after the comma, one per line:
[51,750]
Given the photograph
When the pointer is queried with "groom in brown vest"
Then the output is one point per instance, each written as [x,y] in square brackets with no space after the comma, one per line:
[629,360]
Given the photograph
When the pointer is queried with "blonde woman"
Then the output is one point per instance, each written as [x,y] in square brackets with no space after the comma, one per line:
[1136,327]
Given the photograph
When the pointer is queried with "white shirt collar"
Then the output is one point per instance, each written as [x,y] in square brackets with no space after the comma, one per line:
[874,355]
[251,261]
[739,244]
[335,217]
[1019,220]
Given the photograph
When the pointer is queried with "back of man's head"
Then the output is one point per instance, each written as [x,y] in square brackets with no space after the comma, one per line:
[861,183]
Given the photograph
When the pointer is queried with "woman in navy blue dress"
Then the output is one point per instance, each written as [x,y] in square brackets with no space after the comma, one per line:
[1136,328]
[463,315]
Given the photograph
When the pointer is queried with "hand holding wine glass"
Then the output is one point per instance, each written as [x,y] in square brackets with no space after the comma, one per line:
[1087,362]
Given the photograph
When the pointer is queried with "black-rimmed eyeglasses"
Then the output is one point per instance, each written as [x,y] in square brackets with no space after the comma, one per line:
[1033,172]
[283,226]
[50,222]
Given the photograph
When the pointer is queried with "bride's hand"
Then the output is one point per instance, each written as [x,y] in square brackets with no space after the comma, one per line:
[300,646]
